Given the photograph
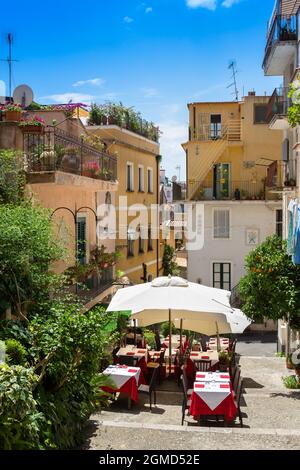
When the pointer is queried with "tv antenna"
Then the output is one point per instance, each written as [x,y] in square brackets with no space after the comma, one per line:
[232,67]
[10,61]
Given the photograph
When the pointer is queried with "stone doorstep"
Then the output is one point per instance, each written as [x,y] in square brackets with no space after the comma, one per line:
[204,430]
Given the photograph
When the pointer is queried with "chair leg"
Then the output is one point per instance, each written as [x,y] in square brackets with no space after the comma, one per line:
[183,416]
[154,397]
[150,398]
[241,418]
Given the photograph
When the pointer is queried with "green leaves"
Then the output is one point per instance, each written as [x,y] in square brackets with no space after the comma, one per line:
[169,261]
[271,287]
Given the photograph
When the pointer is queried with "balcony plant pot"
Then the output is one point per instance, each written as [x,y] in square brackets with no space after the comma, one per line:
[14,116]
[31,129]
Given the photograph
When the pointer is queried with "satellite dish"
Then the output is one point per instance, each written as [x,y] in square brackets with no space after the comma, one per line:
[174,179]
[23,95]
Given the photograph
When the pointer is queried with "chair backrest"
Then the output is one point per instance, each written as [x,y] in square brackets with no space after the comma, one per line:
[184,387]
[202,366]
[162,357]
[239,390]
[236,379]
[203,344]
[153,380]
[130,341]
[127,360]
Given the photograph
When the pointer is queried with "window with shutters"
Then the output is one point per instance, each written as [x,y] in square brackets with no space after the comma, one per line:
[221,223]
[141,179]
[150,180]
[279,223]
[81,240]
[129,176]
[222,276]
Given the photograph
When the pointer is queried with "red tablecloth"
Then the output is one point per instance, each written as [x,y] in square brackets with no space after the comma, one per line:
[142,363]
[227,408]
[130,387]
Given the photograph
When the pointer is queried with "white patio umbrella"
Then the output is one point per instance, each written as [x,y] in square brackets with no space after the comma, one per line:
[193,306]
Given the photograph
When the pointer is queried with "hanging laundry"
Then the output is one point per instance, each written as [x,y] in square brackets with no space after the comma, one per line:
[292,226]
[296,257]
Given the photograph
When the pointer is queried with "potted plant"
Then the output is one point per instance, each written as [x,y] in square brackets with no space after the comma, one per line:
[35,125]
[91,169]
[224,360]
[13,112]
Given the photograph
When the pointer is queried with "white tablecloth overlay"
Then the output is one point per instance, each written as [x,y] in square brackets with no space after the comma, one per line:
[120,375]
[212,394]
[212,377]
[132,348]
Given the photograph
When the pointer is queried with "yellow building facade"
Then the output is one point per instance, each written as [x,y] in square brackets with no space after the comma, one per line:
[231,152]
[138,184]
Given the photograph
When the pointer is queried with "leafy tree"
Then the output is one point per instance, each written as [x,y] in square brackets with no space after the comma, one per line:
[271,287]
[27,249]
[12,177]
[168,262]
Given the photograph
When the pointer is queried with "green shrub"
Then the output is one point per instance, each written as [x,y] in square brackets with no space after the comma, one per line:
[165,329]
[16,352]
[291,382]
[22,426]
[150,338]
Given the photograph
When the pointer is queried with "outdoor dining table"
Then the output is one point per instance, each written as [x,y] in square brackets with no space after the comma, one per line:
[175,341]
[195,356]
[126,379]
[137,353]
[213,395]
[213,343]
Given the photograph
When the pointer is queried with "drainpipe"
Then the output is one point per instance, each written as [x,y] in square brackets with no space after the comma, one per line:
[158,160]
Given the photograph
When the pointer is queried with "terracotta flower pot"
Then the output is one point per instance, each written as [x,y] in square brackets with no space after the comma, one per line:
[31,129]
[13,116]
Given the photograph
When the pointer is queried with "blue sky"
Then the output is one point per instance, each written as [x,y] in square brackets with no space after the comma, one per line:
[156,55]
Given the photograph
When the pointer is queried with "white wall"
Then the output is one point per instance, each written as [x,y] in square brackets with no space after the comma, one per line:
[243,215]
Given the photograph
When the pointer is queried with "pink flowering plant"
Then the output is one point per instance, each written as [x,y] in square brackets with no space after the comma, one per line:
[12,107]
[35,121]
[92,168]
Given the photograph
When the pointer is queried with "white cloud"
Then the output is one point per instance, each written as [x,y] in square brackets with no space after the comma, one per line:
[207,91]
[209,4]
[128,19]
[229,3]
[149,92]
[91,81]
[66,97]
[148,10]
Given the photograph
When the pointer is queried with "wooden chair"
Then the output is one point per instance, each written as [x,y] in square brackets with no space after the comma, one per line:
[237,400]
[236,380]
[127,360]
[151,388]
[202,366]
[186,402]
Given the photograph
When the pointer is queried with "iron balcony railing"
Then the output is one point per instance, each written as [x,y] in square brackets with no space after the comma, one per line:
[235,190]
[52,149]
[282,28]
[95,285]
[230,131]
[279,103]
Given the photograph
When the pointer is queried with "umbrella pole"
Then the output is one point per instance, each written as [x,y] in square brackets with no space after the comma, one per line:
[218,338]
[181,321]
[134,326]
[170,342]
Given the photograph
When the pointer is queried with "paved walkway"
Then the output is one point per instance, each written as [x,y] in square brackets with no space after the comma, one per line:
[271,417]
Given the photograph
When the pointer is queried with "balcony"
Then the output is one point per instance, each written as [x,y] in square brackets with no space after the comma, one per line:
[281,42]
[236,190]
[52,149]
[278,106]
[230,131]
[94,289]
